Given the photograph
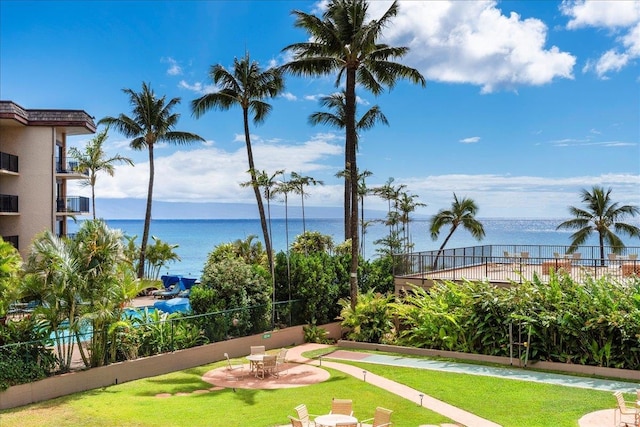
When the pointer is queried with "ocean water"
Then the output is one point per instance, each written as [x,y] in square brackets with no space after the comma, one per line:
[197,238]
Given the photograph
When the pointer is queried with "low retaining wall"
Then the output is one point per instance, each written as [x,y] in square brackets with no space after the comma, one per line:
[73,382]
[625,374]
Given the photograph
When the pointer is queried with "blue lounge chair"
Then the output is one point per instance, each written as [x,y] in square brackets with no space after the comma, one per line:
[172,292]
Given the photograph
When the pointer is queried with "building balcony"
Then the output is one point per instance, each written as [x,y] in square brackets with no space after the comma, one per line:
[8,204]
[72,205]
[8,164]
[11,239]
[69,169]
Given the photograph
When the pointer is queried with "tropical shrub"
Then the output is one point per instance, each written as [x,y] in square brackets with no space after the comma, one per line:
[312,242]
[230,283]
[315,334]
[313,279]
[594,322]
[371,320]
[10,270]
[377,275]
[159,332]
[24,356]
[82,285]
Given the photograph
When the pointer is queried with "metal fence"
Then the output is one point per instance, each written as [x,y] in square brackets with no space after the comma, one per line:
[148,336]
[516,262]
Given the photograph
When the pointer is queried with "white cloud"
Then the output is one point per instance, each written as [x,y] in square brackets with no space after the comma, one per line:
[621,18]
[516,196]
[474,42]
[209,174]
[174,69]
[470,140]
[197,87]
[289,96]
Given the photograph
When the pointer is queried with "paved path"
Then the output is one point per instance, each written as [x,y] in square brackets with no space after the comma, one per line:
[458,415]
[464,418]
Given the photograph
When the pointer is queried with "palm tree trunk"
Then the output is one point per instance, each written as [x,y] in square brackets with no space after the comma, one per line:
[147,215]
[256,190]
[435,261]
[93,200]
[350,146]
[347,198]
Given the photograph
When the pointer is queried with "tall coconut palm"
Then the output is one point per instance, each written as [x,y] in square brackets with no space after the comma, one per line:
[363,191]
[94,160]
[391,194]
[462,213]
[336,117]
[268,184]
[406,204]
[298,182]
[284,187]
[342,41]
[153,121]
[246,87]
[600,214]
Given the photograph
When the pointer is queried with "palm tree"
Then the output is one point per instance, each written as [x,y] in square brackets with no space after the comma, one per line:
[362,192]
[153,121]
[284,187]
[336,102]
[94,160]
[391,194]
[298,182]
[406,205]
[462,213]
[268,183]
[342,41]
[247,87]
[601,214]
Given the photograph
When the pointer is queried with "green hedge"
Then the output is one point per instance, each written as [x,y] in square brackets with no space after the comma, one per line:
[593,322]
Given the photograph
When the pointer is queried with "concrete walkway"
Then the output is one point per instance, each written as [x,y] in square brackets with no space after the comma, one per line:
[464,418]
[460,416]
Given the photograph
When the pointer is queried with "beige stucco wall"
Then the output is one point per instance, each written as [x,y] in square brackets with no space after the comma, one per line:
[35,184]
[62,385]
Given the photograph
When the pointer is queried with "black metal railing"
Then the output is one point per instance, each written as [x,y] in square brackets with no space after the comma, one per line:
[73,205]
[516,262]
[11,239]
[8,203]
[8,162]
[69,166]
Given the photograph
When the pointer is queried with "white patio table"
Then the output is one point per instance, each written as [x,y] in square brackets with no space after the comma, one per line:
[330,420]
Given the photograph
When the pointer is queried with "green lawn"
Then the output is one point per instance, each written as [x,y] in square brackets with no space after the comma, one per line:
[511,403]
[508,402]
[135,404]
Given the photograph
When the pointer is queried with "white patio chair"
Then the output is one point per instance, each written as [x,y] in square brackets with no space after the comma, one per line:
[235,370]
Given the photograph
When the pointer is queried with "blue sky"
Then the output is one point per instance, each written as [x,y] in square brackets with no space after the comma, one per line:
[526,103]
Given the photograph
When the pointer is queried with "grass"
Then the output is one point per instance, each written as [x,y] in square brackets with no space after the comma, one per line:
[135,404]
[511,403]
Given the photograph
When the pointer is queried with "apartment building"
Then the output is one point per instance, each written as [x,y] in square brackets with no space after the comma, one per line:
[35,170]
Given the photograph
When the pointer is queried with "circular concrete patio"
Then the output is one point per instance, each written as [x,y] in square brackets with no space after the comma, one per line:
[290,375]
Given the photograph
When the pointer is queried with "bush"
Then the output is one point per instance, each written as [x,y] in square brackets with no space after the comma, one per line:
[596,322]
[314,280]
[229,283]
[23,355]
[371,321]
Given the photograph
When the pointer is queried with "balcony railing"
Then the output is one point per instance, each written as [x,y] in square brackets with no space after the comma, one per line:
[73,205]
[8,162]
[515,263]
[8,203]
[69,167]
[11,239]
